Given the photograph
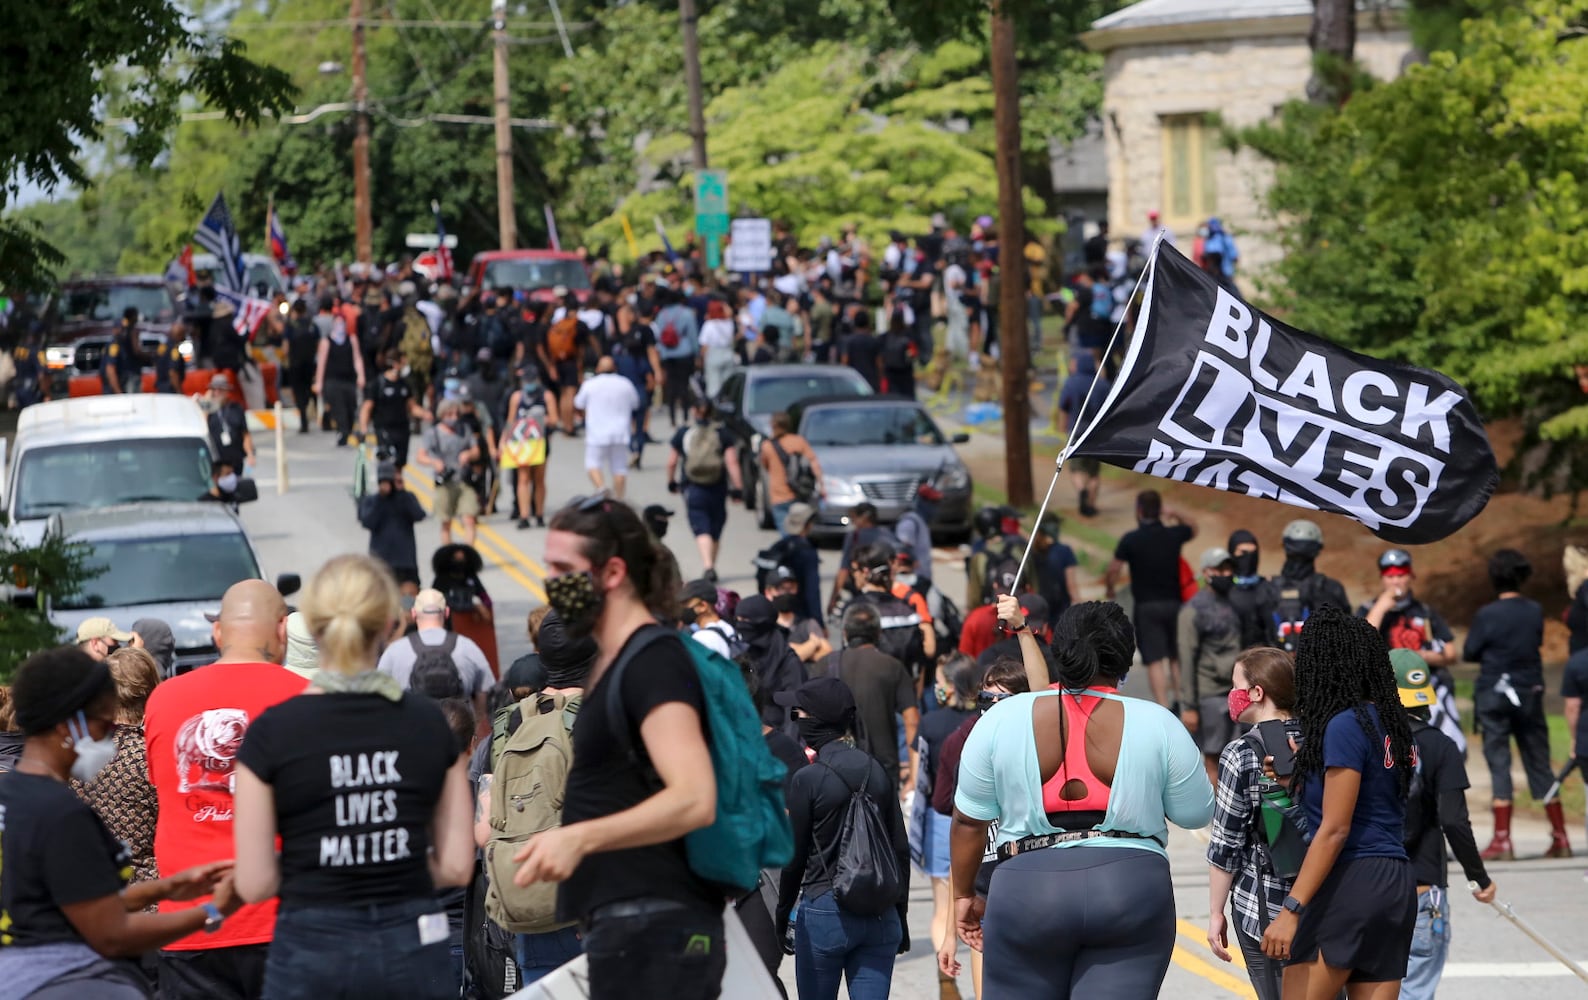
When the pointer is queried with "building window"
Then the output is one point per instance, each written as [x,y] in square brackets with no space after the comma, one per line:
[1190,179]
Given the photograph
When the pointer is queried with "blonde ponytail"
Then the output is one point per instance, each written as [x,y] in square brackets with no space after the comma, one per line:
[350,606]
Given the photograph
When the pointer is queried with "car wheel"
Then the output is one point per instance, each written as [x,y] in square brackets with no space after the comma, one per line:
[763,517]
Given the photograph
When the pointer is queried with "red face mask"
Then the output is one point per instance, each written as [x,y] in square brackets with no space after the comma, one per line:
[1240,701]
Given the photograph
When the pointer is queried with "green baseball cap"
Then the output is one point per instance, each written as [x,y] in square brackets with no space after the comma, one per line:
[1413,678]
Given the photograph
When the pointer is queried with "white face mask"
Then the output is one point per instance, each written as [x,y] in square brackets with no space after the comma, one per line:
[92,755]
[227,483]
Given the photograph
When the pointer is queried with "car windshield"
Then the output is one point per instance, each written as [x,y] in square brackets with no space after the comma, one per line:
[531,273]
[109,302]
[779,392]
[869,425]
[163,570]
[106,473]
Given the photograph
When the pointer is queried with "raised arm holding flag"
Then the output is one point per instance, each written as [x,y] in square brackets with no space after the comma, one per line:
[217,234]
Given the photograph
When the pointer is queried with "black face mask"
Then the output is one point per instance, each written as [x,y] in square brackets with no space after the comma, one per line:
[1303,550]
[576,600]
[1222,585]
[1246,564]
[786,604]
[818,734]
[688,617]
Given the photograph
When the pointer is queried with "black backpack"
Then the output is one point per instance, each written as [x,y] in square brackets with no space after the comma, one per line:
[901,628]
[496,336]
[490,968]
[435,672]
[798,471]
[1422,806]
[866,880]
[896,351]
[1293,605]
[1280,829]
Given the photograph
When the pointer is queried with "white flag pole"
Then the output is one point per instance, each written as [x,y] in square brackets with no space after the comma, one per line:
[1076,435]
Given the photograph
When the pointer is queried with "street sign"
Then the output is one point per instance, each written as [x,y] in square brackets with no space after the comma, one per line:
[751,249]
[427,241]
[711,213]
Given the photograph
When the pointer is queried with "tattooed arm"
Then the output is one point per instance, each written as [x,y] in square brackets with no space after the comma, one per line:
[482,812]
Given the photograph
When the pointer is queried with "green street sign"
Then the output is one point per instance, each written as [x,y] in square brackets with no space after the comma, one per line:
[711,213]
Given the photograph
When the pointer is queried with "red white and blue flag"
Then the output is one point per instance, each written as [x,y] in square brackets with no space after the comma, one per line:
[249,312]
[277,238]
[443,255]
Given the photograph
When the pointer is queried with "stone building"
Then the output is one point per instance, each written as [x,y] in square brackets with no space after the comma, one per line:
[1170,66]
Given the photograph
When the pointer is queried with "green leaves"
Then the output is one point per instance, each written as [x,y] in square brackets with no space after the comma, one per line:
[1442,218]
[53,570]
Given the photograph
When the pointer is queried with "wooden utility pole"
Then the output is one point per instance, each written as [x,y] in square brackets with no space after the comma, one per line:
[363,229]
[1332,39]
[697,110]
[506,220]
[1012,335]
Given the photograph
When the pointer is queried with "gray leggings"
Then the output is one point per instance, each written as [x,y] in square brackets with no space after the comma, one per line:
[1266,974]
[1091,922]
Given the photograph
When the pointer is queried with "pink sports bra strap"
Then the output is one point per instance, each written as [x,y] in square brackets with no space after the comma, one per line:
[1078,713]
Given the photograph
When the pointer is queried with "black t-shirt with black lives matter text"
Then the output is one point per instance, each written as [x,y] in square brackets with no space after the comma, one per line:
[356,780]
[604,781]
[391,401]
[53,852]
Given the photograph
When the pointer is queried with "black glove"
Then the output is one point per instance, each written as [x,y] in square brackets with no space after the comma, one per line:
[672,486]
[734,493]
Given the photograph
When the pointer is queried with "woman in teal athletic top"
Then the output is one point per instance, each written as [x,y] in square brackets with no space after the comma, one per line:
[1082,782]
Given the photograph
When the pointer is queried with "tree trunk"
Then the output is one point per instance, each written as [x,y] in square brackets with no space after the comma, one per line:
[1333,43]
[1011,262]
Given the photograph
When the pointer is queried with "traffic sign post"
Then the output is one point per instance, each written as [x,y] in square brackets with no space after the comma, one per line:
[711,213]
[751,249]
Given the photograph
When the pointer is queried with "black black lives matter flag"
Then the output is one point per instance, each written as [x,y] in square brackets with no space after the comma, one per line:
[1214,392]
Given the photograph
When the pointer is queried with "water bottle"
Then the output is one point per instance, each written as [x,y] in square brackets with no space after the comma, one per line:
[788,931]
[1503,686]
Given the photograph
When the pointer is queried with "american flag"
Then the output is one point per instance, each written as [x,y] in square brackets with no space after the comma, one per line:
[277,238]
[443,255]
[249,311]
[218,235]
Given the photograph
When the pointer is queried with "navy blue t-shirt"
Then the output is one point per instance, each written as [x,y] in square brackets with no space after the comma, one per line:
[1380,815]
[1505,638]
[1575,685]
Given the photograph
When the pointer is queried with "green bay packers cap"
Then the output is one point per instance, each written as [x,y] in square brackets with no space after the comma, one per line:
[1413,678]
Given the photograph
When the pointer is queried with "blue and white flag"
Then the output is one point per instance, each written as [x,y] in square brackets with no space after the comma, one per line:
[218,235]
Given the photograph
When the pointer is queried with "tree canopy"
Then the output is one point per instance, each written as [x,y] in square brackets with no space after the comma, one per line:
[66,65]
[1442,218]
[891,123]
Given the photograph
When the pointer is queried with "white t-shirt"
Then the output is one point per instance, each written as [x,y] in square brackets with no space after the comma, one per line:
[715,637]
[717,333]
[954,277]
[608,402]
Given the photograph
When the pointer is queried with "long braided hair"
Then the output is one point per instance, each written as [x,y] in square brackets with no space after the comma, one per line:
[1343,664]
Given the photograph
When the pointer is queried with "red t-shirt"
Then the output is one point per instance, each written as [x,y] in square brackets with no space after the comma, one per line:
[979,631]
[193,726]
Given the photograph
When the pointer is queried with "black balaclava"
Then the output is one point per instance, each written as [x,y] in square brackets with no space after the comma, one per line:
[567,660]
[1245,565]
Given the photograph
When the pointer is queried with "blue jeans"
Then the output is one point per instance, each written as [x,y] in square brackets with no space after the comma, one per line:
[311,956]
[779,512]
[831,944]
[1426,963]
[539,955]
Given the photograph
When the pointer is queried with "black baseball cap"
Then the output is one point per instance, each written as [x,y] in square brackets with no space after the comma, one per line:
[825,699]
[699,590]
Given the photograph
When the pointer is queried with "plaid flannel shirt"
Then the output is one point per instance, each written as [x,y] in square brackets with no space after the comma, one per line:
[1232,837]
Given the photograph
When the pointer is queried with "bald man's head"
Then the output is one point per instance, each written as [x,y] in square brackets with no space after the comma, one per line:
[252,625]
[606,366]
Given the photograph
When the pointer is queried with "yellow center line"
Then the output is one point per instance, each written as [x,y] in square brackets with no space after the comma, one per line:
[508,547]
[1218,977]
[1199,935]
[504,563]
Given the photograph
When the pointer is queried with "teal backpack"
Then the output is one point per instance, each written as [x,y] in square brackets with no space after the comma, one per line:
[751,830]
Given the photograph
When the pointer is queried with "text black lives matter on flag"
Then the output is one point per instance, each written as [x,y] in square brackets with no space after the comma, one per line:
[1216,393]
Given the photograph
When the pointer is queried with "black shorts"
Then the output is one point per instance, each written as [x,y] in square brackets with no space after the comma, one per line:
[1156,622]
[707,509]
[406,574]
[567,374]
[1085,466]
[1215,728]
[1361,919]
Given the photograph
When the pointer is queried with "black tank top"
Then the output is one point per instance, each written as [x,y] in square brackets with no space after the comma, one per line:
[339,362]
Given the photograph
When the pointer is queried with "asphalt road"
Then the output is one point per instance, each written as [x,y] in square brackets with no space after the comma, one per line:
[315,519]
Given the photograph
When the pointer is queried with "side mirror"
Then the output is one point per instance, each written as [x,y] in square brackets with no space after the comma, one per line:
[247,491]
[960,438]
[289,584]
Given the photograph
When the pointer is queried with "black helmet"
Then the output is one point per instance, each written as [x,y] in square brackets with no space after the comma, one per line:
[987,521]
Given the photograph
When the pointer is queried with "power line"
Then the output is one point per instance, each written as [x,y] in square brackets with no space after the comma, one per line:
[347,107]
[379,22]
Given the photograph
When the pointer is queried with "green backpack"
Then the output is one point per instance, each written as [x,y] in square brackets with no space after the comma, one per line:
[1280,823]
[530,763]
[751,830]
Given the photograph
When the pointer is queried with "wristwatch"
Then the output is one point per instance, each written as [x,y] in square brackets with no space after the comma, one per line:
[1294,905]
[213,917]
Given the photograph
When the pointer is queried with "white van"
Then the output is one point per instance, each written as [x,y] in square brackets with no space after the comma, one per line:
[103,451]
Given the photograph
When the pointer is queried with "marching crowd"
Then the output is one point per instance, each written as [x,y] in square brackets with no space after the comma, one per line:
[350,803]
